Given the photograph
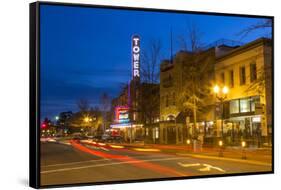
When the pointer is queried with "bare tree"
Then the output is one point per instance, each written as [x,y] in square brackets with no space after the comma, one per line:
[266,23]
[193,41]
[150,61]
[196,82]
[150,73]
[83,105]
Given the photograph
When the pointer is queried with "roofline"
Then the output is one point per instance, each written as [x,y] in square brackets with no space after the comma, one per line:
[245,47]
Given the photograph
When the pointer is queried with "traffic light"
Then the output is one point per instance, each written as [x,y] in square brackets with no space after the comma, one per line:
[44,125]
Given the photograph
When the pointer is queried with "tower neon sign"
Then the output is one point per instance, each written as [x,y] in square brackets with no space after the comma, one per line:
[136,56]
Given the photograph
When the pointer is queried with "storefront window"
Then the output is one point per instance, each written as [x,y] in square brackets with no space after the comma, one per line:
[156,132]
[255,100]
[234,106]
[245,105]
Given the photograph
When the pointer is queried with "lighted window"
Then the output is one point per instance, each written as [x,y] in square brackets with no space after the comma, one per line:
[234,106]
[255,100]
[171,118]
[245,105]
[156,132]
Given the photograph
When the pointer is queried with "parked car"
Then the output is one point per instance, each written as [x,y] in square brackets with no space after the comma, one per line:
[105,137]
[117,139]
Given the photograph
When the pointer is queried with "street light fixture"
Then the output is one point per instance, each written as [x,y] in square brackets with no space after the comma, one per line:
[225,90]
[243,145]
[220,143]
[221,148]
[86,119]
[216,89]
[221,95]
[188,142]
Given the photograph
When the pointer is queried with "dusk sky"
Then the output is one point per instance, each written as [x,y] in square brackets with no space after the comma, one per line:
[87,51]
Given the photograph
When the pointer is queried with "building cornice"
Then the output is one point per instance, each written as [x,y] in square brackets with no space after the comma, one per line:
[241,49]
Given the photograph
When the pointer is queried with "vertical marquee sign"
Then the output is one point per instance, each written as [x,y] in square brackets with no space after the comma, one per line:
[135,75]
[136,57]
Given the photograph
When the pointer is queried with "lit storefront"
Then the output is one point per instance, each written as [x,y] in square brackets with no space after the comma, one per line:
[245,118]
[247,108]
[129,130]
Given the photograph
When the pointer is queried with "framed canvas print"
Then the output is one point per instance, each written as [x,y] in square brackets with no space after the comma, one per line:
[121,94]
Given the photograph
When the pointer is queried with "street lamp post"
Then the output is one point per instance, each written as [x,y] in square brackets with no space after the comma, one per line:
[220,148]
[221,95]
[243,145]
[188,142]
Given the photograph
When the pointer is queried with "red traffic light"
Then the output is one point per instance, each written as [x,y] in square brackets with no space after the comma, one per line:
[43,125]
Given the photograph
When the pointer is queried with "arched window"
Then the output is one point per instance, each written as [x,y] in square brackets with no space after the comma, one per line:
[171,118]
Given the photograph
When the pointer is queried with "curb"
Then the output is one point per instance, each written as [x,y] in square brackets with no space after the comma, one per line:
[227,159]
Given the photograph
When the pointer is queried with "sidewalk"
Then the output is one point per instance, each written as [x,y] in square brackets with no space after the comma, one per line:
[263,155]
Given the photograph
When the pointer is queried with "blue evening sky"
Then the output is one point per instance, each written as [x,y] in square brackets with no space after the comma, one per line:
[87,51]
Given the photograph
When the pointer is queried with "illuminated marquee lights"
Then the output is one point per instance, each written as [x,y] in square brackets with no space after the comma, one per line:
[136,56]
[125,125]
[122,114]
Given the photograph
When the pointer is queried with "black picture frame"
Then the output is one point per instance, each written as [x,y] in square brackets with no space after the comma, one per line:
[34,92]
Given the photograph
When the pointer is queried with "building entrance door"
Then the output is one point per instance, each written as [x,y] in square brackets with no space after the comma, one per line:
[171,135]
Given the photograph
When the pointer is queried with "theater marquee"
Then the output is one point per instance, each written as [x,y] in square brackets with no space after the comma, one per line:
[136,56]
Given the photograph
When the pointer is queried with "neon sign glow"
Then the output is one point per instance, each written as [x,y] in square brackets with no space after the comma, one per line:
[122,114]
[136,56]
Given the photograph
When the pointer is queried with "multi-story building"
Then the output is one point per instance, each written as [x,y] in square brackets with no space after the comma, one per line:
[247,72]
[177,122]
[136,110]
[246,111]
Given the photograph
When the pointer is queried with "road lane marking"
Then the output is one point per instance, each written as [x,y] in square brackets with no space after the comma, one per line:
[228,159]
[96,147]
[107,164]
[188,165]
[116,146]
[65,143]
[146,149]
[73,163]
[206,168]
[105,149]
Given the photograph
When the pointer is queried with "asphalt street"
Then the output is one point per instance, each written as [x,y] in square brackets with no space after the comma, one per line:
[82,162]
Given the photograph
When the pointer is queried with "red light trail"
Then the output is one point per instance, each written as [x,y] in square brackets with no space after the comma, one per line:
[135,162]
